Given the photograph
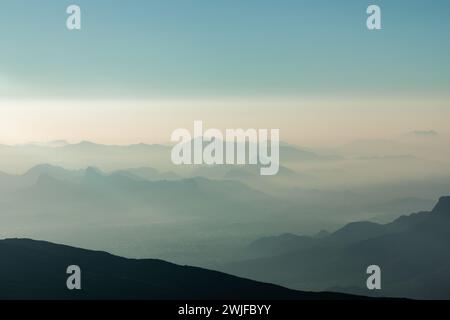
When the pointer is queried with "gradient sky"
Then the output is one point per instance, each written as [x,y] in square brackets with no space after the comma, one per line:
[150,48]
[217,49]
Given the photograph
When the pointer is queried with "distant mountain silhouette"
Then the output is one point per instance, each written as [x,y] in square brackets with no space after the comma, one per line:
[132,216]
[37,270]
[45,181]
[285,243]
[412,252]
[115,157]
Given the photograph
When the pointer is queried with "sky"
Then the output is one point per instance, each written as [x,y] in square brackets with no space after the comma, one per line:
[159,57]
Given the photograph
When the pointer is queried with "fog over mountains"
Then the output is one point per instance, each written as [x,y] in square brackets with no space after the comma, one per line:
[286,229]
[411,251]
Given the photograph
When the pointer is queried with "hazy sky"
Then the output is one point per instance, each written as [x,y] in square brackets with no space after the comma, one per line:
[313,122]
[137,61]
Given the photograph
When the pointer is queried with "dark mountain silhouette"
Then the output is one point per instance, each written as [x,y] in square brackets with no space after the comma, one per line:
[412,252]
[443,207]
[356,231]
[37,270]
[285,243]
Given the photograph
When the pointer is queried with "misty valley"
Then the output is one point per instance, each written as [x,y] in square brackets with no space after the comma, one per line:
[224,158]
[302,229]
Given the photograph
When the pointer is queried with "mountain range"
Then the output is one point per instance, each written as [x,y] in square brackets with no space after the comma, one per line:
[17,158]
[146,212]
[183,220]
[411,252]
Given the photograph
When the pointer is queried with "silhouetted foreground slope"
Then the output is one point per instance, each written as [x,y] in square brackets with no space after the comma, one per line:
[37,270]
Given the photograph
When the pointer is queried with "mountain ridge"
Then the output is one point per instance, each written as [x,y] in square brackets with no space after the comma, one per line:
[33,269]
[410,251]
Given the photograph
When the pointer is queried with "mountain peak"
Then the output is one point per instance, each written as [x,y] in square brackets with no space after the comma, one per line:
[44,168]
[443,206]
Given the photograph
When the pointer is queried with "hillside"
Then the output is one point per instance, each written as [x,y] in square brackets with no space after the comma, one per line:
[37,270]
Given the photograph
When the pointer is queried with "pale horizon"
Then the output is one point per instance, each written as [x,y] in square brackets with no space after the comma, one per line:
[318,122]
